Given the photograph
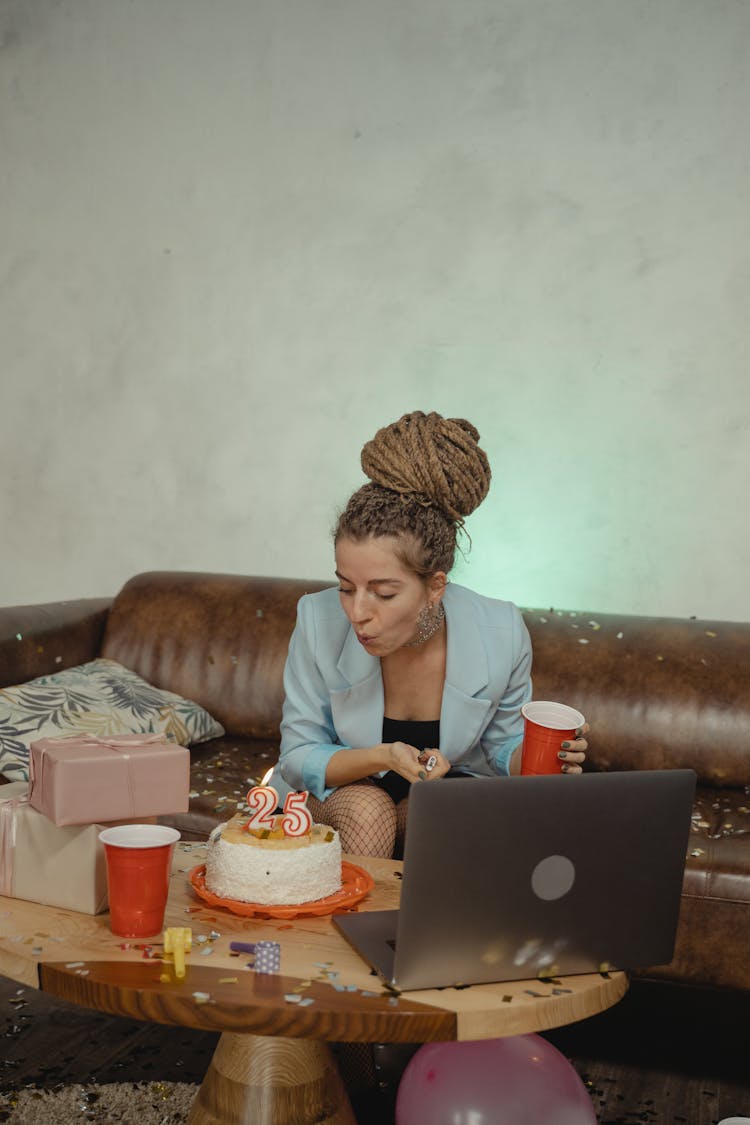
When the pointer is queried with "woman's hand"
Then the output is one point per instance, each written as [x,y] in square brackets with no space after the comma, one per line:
[433,765]
[407,761]
[573,753]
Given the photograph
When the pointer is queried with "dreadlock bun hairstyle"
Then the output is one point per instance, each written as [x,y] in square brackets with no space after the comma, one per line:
[427,473]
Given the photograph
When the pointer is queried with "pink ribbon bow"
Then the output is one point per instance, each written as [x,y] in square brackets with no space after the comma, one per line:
[8,808]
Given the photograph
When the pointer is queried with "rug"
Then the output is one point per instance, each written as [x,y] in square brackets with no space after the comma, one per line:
[131,1103]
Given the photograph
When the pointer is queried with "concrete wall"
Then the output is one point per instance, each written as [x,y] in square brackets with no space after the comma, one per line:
[239,236]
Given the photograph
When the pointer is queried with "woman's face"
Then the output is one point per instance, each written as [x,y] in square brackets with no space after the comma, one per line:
[381,597]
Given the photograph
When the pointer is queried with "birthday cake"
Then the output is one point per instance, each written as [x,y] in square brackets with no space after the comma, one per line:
[270,868]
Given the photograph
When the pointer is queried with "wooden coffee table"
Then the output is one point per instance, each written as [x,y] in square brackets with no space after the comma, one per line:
[272,1062]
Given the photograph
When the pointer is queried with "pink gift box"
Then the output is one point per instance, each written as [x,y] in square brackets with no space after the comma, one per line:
[83,778]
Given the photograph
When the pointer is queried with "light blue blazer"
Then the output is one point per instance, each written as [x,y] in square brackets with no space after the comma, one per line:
[334,689]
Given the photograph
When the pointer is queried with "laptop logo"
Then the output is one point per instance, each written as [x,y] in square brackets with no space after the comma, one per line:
[553,877]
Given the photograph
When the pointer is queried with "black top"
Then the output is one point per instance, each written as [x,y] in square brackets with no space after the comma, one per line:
[423,735]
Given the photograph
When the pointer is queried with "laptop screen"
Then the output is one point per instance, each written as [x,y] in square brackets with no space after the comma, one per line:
[524,877]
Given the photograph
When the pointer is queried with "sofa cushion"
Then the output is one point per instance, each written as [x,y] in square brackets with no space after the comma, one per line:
[219,638]
[100,697]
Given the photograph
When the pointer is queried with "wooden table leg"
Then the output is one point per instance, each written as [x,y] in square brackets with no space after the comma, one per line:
[267,1080]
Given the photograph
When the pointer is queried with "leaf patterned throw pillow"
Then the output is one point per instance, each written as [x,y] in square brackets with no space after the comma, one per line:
[101,697]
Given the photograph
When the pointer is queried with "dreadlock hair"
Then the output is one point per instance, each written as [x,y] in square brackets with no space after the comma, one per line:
[427,473]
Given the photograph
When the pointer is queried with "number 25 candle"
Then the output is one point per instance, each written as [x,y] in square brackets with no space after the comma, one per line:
[263,799]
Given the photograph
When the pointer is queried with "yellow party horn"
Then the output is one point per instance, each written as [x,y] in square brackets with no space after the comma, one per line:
[178,941]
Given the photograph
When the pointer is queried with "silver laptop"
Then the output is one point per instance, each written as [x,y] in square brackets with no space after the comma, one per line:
[522,877]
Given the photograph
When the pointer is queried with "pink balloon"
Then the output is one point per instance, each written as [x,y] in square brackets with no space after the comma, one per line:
[522,1080]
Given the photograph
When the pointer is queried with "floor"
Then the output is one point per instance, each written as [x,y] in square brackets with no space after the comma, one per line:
[663,1055]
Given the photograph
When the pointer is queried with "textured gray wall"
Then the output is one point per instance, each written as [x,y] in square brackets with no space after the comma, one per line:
[237,237]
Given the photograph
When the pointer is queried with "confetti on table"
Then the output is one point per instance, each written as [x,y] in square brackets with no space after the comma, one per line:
[201,997]
[229,980]
[75,964]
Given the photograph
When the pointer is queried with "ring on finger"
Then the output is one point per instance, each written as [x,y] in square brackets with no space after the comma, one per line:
[430,763]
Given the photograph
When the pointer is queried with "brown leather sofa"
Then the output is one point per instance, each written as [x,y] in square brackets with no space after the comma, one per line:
[658,692]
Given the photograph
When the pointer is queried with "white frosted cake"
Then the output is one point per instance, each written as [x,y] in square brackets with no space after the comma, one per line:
[271,868]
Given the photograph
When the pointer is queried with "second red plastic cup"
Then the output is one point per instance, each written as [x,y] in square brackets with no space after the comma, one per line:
[139,858]
[546,725]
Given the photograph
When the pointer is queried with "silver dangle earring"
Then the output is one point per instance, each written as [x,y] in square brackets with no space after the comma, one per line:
[429,620]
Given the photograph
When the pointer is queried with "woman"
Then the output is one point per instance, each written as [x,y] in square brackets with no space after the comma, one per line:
[399,676]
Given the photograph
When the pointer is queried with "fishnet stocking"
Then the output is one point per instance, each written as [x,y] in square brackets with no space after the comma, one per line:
[402,809]
[356,1066]
[363,815]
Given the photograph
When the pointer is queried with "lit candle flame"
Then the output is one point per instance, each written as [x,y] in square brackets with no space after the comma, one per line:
[266,776]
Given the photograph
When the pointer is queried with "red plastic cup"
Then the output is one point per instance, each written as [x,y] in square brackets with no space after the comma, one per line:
[139,858]
[546,725]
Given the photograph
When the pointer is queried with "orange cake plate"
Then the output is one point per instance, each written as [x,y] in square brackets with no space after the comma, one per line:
[356,883]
